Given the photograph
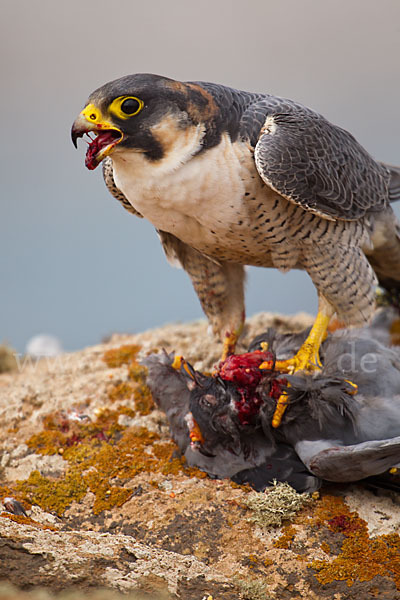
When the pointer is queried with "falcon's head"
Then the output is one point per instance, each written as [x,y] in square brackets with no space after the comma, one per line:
[149,114]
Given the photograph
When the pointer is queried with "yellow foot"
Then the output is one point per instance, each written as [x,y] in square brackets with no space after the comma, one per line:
[229,344]
[280,408]
[307,360]
[177,362]
[283,400]
[196,437]
[180,363]
[354,387]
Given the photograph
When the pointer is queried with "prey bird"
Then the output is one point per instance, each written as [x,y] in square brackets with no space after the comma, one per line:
[222,423]
[231,178]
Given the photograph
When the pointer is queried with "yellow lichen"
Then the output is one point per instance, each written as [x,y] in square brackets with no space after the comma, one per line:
[8,361]
[137,372]
[326,548]
[144,402]
[285,540]
[47,442]
[101,457]
[53,494]
[124,355]
[141,394]
[120,391]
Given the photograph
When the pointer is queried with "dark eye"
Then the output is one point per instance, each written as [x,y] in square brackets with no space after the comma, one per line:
[208,400]
[130,106]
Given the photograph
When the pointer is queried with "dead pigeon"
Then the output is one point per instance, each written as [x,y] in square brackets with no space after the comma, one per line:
[222,423]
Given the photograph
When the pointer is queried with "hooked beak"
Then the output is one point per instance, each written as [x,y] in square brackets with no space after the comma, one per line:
[107,135]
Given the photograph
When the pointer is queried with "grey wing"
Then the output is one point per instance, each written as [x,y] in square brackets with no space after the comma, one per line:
[317,165]
[108,175]
[394,186]
[355,462]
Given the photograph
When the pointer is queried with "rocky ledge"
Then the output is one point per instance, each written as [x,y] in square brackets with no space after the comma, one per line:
[110,503]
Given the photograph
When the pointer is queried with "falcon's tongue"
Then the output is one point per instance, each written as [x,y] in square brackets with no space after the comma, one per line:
[101,141]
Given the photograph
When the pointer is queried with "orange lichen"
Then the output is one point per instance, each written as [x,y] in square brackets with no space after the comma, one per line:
[361,558]
[252,561]
[53,494]
[125,410]
[47,442]
[102,457]
[120,391]
[141,394]
[144,402]
[245,487]
[9,491]
[267,562]
[124,355]
[26,521]
[395,333]
[137,372]
[326,548]
[285,540]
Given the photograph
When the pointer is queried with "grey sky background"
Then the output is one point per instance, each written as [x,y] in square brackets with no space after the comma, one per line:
[75,264]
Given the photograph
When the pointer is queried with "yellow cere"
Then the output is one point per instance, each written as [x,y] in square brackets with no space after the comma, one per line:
[92,114]
[116,108]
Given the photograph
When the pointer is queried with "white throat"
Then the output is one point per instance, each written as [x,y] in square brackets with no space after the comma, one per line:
[178,145]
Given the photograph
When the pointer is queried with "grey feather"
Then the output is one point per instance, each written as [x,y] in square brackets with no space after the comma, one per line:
[327,432]
[358,461]
[317,165]
[252,460]
[394,187]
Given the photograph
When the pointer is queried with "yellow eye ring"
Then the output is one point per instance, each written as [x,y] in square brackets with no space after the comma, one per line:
[125,107]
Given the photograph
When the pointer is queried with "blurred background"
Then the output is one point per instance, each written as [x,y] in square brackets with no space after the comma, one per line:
[75,264]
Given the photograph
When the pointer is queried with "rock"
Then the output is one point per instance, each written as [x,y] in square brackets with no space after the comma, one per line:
[43,344]
[110,502]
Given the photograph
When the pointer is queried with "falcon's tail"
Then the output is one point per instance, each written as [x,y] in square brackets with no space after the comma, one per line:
[394,186]
[386,481]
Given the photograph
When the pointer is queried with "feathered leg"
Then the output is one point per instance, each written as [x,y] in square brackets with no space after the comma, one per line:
[219,286]
[346,284]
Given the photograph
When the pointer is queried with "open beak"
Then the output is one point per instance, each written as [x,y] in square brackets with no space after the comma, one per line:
[106,135]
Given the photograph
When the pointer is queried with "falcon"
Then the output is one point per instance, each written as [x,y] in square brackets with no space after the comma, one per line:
[231,178]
